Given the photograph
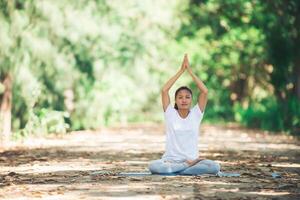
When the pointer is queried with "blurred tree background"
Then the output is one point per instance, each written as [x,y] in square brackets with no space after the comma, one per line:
[73,65]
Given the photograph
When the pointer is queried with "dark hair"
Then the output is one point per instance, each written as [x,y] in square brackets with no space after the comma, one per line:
[178,90]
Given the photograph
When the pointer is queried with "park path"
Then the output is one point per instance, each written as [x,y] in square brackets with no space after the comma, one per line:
[85,165]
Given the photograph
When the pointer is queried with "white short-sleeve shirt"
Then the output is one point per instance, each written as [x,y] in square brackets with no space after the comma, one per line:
[182,134]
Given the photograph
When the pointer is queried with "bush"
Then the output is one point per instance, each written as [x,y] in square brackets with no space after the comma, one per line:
[269,114]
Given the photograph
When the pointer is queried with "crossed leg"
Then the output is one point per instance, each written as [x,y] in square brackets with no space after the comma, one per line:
[202,167]
[165,167]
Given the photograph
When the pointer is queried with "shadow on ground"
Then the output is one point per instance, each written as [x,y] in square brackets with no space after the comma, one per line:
[92,170]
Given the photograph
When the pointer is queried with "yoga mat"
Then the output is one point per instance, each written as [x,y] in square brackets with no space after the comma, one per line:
[224,174]
[220,174]
[144,174]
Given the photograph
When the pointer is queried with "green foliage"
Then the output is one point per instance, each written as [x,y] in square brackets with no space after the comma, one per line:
[44,122]
[250,53]
[269,114]
[84,64]
[87,60]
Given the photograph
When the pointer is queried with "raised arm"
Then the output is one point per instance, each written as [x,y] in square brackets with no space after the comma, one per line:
[165,90]
[202,99]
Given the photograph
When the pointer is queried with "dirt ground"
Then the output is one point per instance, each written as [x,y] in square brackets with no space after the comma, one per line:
[86,165]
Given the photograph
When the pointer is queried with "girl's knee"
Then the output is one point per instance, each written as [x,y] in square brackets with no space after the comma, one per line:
[158,166]
[153,166]
[215,167]
[161,167]
[212,165]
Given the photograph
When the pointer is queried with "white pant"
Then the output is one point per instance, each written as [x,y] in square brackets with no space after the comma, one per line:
[167,167]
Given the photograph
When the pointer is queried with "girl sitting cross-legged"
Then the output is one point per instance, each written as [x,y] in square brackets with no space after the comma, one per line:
[182,128]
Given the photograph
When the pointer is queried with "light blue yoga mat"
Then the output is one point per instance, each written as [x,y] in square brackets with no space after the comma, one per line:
[224,174]
[220,174]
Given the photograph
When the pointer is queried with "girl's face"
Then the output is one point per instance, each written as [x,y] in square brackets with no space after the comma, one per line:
[183,99]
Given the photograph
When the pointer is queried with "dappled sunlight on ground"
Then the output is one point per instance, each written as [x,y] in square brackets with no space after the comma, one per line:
[86,164]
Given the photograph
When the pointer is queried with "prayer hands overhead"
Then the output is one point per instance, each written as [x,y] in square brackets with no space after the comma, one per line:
[185,63]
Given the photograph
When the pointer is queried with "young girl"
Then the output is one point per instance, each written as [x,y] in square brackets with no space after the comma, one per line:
[182,128]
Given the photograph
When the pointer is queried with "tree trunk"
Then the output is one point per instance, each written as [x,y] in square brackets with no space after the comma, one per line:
[5,110]
[297,75]
[297,58]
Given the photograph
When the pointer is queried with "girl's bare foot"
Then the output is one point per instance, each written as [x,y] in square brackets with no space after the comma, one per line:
[193,162]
